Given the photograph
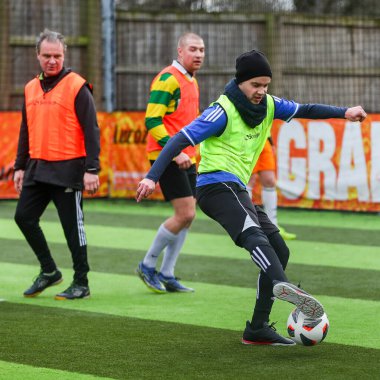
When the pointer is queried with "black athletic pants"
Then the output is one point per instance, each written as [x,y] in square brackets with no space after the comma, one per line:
[249,227]
[68,202]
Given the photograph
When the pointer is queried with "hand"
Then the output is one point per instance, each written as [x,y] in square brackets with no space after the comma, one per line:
[145,188]
[18,180]
[355,114]
[183,161]
[91,183]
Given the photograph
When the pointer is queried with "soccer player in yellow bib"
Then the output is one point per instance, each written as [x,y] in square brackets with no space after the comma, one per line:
[232,133]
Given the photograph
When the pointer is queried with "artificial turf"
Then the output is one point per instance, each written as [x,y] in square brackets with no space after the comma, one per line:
[329,280]
[131,348]
[126,332]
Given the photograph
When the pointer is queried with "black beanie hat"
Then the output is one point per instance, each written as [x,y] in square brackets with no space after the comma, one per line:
[250,65]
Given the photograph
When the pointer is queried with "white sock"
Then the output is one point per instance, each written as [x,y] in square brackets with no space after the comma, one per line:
[269,198]
[162,239]
[171,253]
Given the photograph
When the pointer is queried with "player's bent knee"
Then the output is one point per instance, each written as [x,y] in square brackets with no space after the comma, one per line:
[279,245]
[188,219]
[185,219]
[251,238]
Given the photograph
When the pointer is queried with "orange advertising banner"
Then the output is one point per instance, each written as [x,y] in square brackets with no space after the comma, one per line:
[128,161]
[321,164]
[104,156]
[9,131]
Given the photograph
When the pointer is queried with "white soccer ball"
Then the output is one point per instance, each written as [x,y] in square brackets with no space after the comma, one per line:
[307,331]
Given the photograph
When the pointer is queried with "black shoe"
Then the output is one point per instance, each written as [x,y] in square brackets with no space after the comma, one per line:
[42,282]
[265,336]
[74,291]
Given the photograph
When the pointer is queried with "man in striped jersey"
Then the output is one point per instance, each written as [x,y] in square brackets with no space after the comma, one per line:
[173,103]
[232,133]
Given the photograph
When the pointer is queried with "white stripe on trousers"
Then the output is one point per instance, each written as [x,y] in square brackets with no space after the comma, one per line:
[258,287]
[80,224]
[260,259]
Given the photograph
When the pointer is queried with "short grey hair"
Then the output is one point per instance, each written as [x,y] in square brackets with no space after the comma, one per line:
[50,36]
[185,36]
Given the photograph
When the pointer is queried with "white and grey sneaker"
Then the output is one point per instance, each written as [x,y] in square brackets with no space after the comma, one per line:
[310,306]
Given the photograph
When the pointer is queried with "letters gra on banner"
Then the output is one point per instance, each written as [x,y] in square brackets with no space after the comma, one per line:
[337,161]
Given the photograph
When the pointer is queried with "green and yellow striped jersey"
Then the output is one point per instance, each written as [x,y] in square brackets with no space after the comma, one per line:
[163,100]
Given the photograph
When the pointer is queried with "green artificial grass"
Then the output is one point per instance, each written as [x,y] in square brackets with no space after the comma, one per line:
[329,280]
[130,348]
[14,371]
[215,245]
[219,306]
[314,232]
[126,332]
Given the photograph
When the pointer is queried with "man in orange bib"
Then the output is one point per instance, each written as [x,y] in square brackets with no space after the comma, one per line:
[57,157]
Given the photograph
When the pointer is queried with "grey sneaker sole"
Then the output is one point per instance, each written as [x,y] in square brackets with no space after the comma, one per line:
[305,302]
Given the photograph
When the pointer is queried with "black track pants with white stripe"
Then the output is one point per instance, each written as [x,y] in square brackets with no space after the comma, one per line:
[68,202]
[250,228]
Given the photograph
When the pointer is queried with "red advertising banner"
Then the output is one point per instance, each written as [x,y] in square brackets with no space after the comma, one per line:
[321,164]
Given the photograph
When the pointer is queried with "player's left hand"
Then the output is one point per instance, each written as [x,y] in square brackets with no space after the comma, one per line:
[355,114]
[91,183]
[145,188]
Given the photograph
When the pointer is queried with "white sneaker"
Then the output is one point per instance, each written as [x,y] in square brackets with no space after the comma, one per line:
[286,291]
